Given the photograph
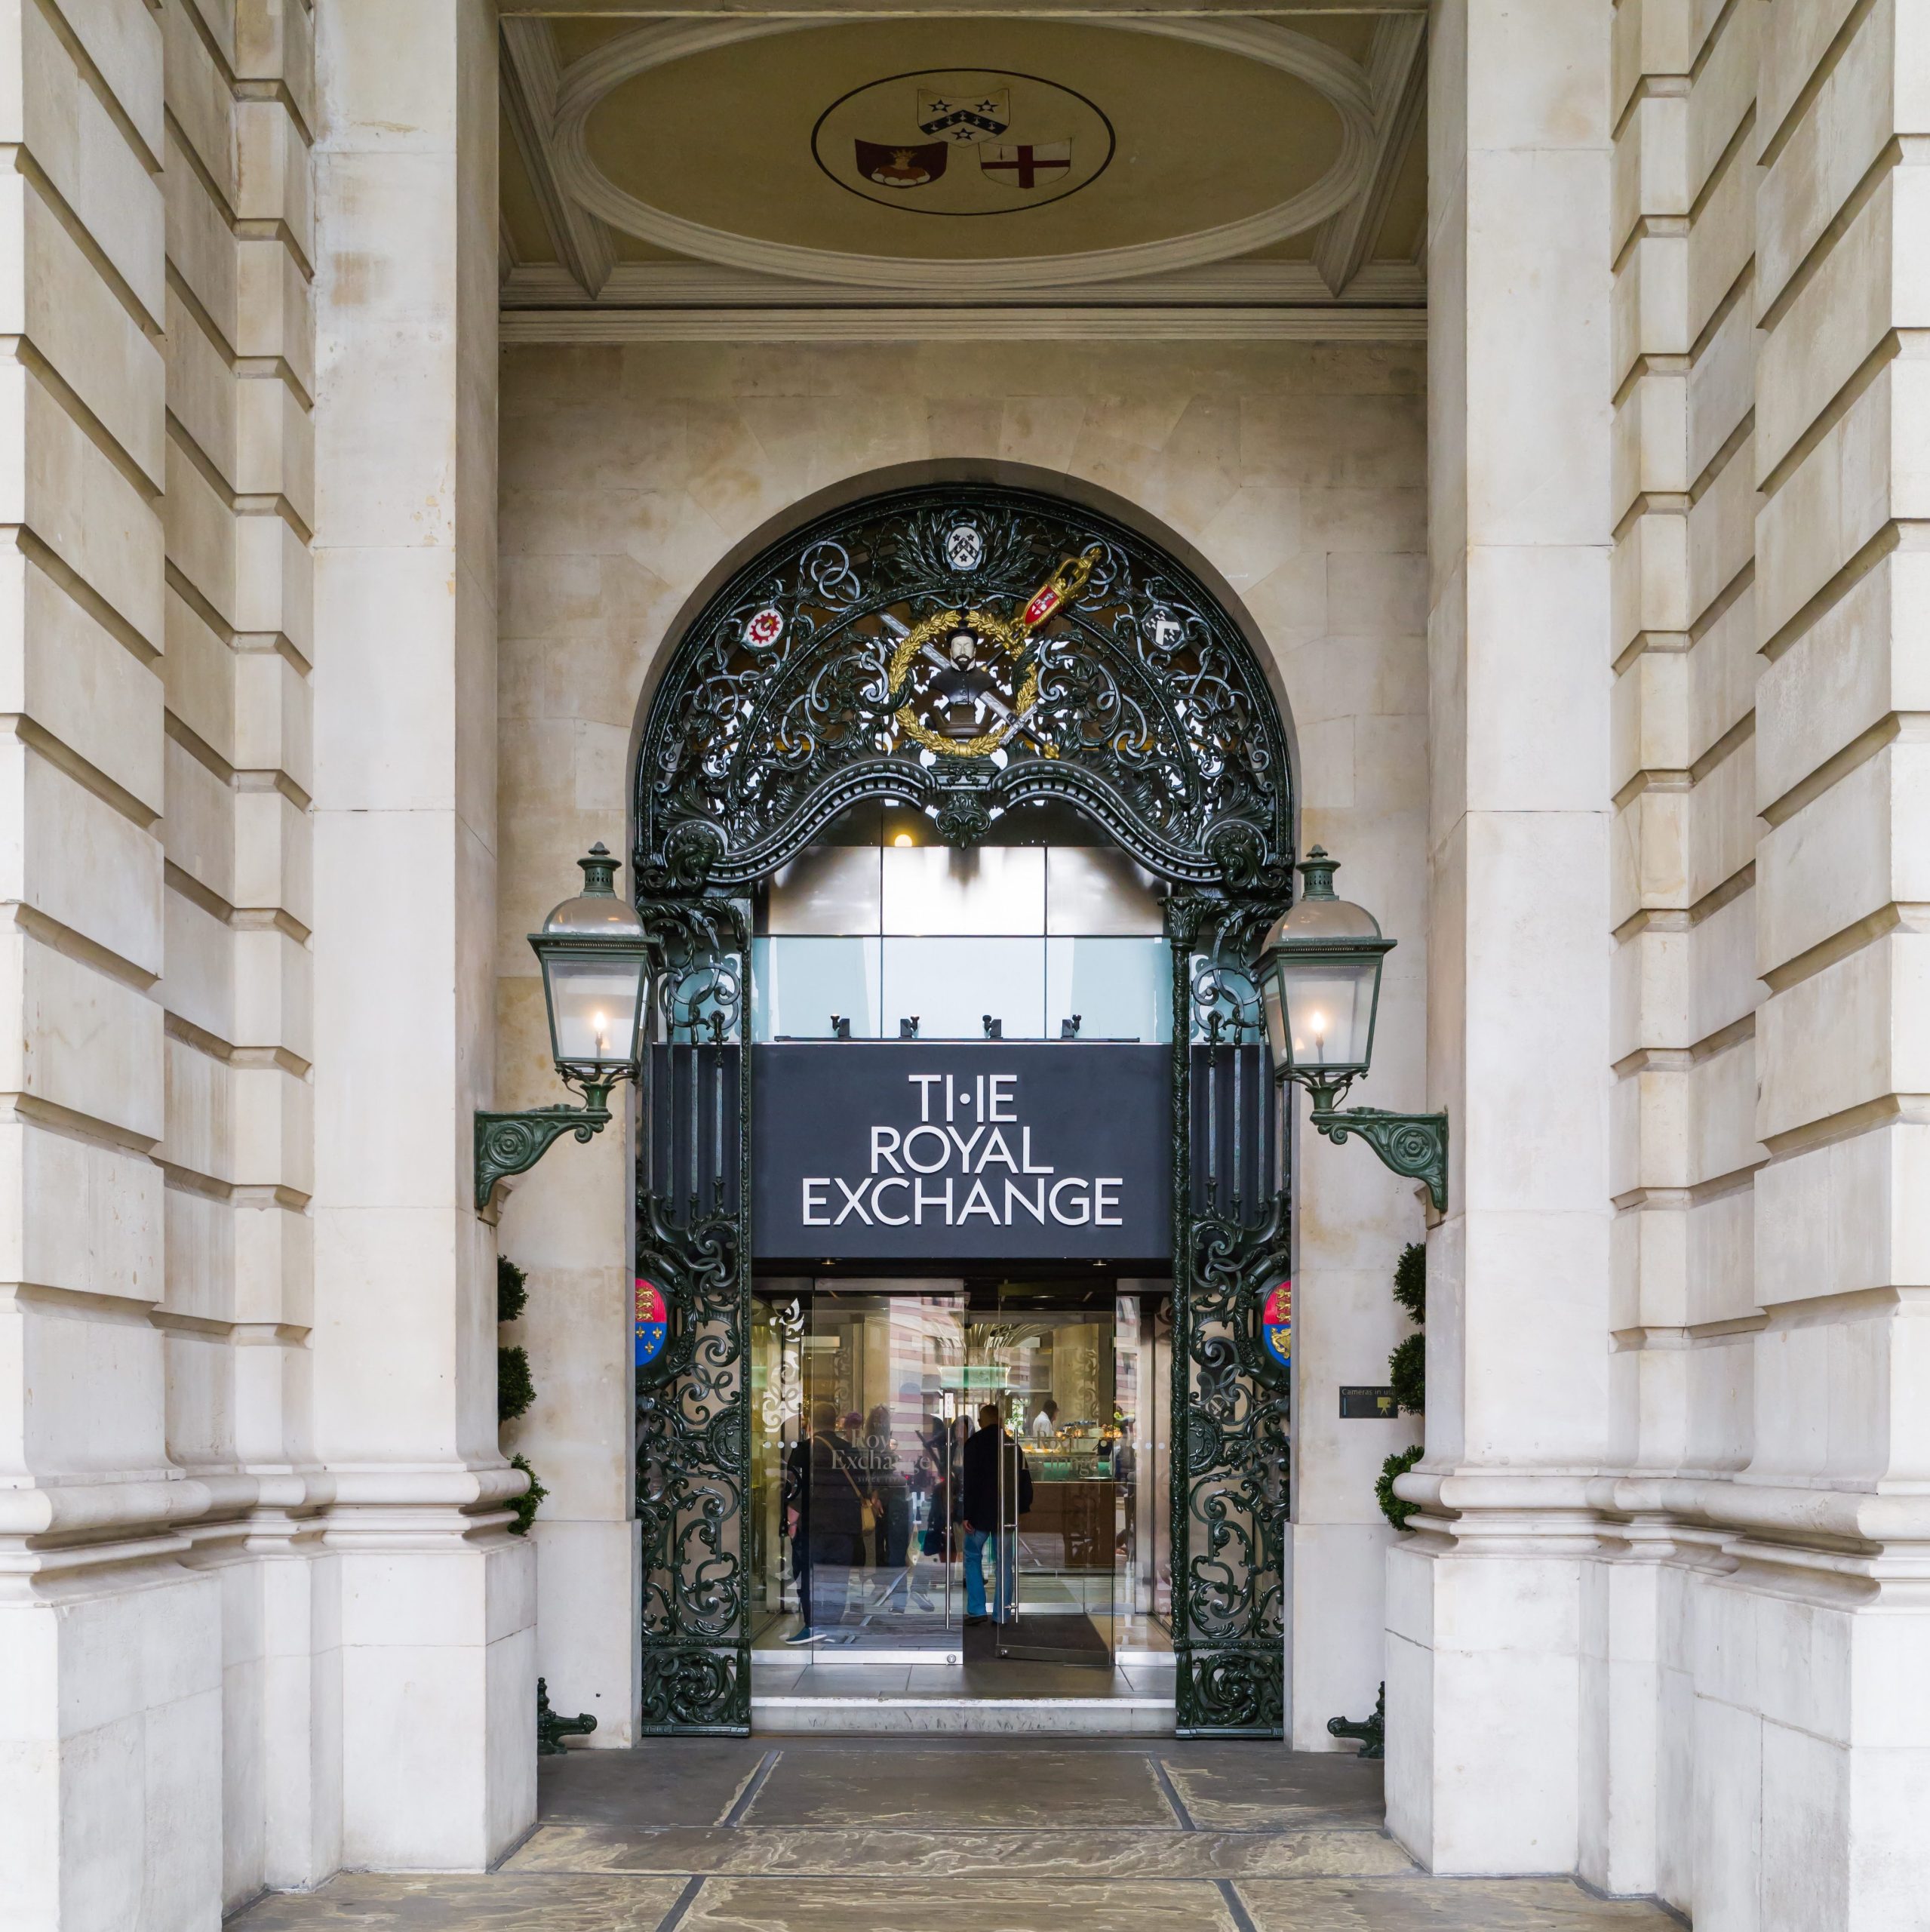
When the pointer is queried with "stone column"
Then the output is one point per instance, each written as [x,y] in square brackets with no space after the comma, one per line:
[437,1678]
[1484,1611]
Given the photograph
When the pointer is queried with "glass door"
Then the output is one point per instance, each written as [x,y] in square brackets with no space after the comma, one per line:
[1052,1351]
[872,1472]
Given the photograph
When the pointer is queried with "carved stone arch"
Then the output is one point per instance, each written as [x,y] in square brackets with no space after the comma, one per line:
[962,645]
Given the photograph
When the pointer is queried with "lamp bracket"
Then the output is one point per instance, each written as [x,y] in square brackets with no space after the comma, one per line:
[513,1143]
[1415,1146]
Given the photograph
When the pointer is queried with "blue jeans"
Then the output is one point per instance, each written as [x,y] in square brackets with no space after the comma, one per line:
[975,1541]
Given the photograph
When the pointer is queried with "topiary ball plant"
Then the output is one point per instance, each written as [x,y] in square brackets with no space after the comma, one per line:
[515,1390]
[525,1505]
[1393,1508]
[512,1289]
[1410,1281]
[515,1387]
[1407,1372]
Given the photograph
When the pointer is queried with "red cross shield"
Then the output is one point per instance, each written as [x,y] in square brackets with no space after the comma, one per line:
[1028,164]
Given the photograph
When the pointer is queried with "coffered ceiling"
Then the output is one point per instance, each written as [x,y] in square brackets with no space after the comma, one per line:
[747,160]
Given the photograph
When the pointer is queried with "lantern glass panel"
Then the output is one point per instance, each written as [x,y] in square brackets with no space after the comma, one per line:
[1329,1020]
[594,1005]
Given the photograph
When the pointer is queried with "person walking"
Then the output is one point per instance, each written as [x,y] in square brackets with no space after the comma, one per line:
[831,1526]
[995,1491]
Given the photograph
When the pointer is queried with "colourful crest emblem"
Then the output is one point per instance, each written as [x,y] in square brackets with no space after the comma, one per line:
[911,166]
[765,629]
[653,1322]
[1276,1324]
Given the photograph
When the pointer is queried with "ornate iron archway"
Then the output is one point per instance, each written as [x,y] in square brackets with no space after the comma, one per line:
[963,650]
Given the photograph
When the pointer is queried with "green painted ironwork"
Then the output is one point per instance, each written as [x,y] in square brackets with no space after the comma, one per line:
[509,1144]
[1414,1145]
[552,1726]
[779,711]
[1371,1731]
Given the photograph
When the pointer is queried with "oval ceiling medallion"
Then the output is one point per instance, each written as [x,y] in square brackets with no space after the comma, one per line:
[963,141]
[1128,146]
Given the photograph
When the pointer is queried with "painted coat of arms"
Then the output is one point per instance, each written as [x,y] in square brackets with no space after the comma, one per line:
[891,166]
[952,118]
[1027,164]
[653,1322]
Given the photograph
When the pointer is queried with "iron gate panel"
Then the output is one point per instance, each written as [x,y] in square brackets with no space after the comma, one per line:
[1101,673]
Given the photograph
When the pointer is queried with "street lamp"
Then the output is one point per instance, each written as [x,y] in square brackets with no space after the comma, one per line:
[595,961]
[1320,981]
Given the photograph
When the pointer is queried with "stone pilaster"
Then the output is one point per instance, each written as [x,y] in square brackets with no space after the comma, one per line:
[1485,1613]
[437,1678]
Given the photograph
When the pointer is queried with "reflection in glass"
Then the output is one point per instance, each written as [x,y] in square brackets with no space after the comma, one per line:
[798,984]
[952,983]
[1120,989]
[1098,889]
[827,889]
[988,889]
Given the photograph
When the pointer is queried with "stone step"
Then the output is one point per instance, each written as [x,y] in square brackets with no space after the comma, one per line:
[987,1717]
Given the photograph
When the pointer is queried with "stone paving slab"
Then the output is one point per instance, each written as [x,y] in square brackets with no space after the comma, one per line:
[687,1781]
[1442,1904]
[826,1905]
[870,1834]
[1260,1788]
[1122,1855]
[938,1788]
[367,1902]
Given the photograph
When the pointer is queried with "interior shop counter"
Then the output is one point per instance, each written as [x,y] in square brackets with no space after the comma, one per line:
[1082,1514]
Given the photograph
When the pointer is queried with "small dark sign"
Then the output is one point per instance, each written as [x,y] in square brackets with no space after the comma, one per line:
[1366,1404]
[987,1150]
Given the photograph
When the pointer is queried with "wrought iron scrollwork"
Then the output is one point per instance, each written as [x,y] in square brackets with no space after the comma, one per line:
[1140,700]
[509,1144]
[692,1405]
[904,648]
[1231,1401]
[1413,1145]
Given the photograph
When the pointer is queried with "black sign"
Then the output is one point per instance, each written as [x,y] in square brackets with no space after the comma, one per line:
[1004,1151]
[1367,1403]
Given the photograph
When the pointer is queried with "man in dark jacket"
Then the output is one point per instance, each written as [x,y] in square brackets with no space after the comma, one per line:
[833,1525]
[995,1491]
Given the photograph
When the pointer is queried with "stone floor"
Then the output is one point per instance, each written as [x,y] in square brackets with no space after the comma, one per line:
[872,1834]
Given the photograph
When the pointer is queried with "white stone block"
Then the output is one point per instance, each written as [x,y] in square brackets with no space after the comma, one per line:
[589,1579]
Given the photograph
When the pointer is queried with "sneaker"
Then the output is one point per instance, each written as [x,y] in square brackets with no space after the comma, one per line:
[972,1623]
[798,1638]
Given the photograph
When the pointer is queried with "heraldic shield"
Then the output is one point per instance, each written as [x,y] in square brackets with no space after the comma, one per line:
[960,117]
[1028,164]
[893,166]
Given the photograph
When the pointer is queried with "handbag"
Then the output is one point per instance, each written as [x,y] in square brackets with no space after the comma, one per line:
[868,1510]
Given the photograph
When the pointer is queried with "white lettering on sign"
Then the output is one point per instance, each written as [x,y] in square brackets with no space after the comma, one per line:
[895,1193]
